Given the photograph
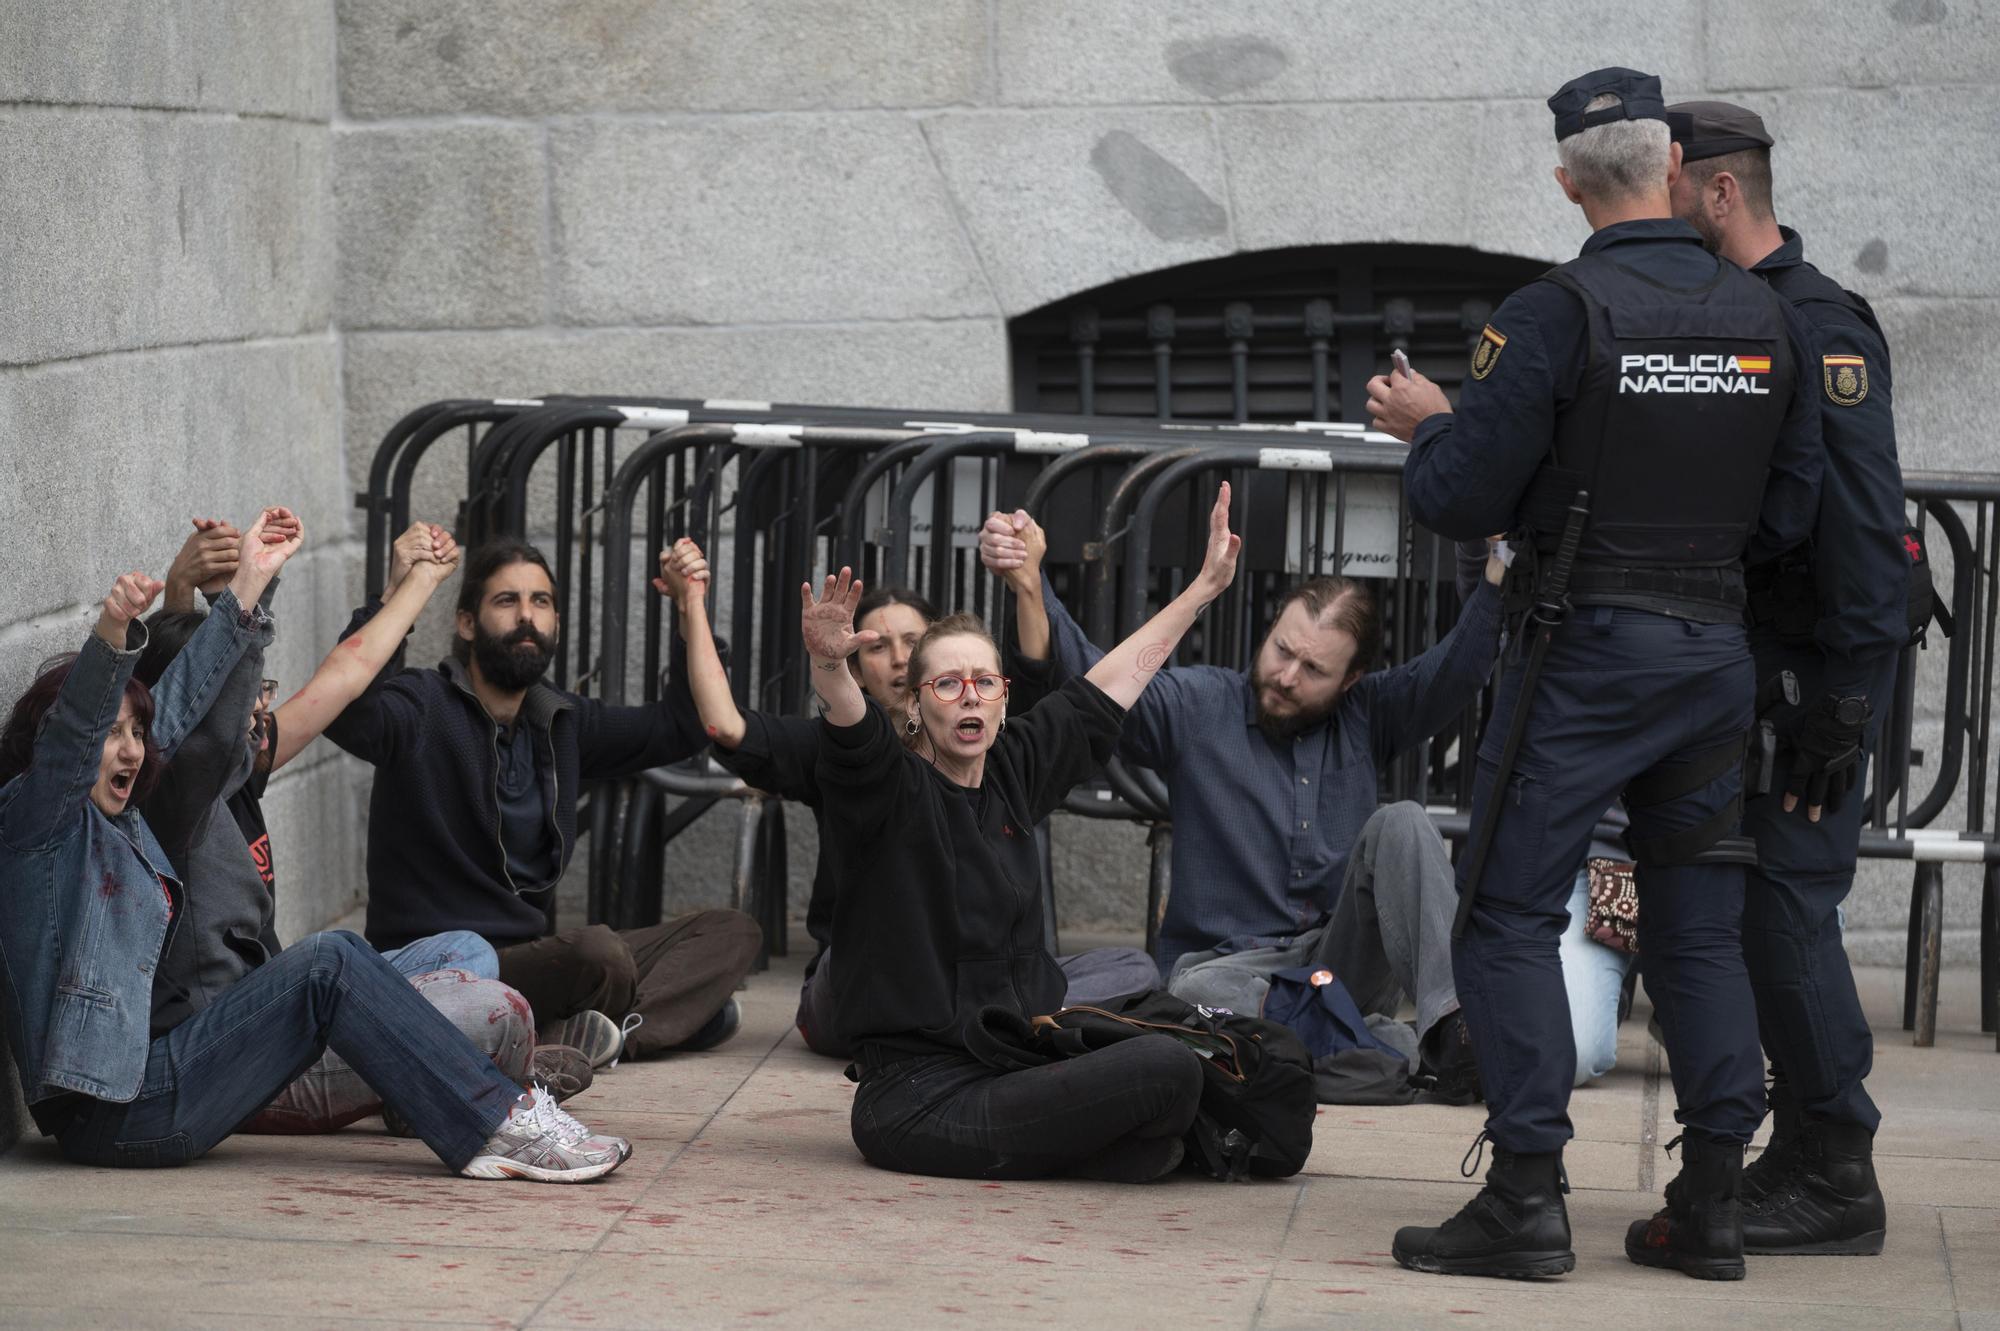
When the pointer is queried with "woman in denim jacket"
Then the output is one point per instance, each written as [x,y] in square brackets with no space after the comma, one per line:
[88,901]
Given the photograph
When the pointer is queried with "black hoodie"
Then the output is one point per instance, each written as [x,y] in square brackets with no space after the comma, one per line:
[435,858]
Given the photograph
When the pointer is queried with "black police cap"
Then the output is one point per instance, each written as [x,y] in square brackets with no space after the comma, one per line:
[1639,99]
[1711,129]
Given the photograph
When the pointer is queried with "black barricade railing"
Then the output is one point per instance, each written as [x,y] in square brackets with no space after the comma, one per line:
[797,494]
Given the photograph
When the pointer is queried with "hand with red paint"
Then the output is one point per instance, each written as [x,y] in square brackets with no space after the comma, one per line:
[273,538]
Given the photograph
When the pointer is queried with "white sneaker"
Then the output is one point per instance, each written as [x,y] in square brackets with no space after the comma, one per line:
[540,1142]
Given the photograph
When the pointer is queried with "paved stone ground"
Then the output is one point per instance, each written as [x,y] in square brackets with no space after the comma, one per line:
[747,1205]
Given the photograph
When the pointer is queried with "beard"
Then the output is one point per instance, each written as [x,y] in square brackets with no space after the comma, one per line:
[1283,728]
[1711,234]
[505,662]
[264,737]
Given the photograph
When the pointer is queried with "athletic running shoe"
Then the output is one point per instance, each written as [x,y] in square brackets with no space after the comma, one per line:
[564,1069]
[592,1032]
[541,1143]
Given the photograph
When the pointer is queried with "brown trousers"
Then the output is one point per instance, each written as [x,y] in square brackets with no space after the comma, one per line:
[676,974]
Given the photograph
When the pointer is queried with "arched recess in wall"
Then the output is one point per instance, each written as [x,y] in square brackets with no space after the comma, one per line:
[1277,335]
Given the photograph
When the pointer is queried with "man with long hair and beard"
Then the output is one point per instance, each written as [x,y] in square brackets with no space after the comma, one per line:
[473,820]
[1281,856]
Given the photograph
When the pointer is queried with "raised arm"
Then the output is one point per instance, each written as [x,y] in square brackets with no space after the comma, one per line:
[428,555]
[826,622]
[1124,671]
[684,579]
[1012,546]
[38,808]
[206,563]
[192,681]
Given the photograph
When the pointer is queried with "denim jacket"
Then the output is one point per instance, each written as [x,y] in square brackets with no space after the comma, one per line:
[85,900]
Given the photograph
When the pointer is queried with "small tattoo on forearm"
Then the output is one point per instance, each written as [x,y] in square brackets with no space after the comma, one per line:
[825,665]
[1150,661]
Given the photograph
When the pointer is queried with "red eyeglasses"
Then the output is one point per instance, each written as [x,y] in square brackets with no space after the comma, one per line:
[950,688]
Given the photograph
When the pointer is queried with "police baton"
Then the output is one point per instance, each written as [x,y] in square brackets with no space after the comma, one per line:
[1550,609]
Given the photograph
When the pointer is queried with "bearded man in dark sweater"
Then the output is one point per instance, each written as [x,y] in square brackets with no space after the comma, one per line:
[473,819]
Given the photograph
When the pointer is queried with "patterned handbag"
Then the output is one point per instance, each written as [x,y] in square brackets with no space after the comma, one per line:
[1613,915]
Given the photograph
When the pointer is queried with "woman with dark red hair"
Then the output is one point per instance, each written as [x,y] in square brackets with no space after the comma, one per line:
[89,901]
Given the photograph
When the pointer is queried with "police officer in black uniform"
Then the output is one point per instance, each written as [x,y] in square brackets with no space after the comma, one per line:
[1834,612]
[1670,387]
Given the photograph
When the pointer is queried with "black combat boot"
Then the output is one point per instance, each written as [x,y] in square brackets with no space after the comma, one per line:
[1700,1230]
[1828,1205]
[1780,1155]
[1516,1227]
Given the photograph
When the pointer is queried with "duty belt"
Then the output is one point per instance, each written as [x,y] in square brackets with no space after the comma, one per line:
[1707,595]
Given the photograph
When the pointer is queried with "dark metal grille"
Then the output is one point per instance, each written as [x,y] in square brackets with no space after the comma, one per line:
[1281,335]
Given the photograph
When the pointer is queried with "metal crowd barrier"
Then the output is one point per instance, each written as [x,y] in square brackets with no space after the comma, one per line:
[898,494]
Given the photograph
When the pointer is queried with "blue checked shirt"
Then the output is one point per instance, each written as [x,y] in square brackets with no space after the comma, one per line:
[1262,828]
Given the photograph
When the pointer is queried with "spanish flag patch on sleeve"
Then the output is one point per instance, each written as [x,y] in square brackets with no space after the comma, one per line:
[1846,379]
[1486,352]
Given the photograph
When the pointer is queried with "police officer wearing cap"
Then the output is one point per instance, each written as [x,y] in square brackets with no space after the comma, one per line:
[1834,612]
[1641,418]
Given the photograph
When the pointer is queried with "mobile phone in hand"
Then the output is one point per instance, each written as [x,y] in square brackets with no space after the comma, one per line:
[1398,362]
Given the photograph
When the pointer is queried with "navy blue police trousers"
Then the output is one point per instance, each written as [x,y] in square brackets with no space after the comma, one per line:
[1622,694]
[1808,1014]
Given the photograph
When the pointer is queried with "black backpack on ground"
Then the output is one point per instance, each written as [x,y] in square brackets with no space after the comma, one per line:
[1257,1101]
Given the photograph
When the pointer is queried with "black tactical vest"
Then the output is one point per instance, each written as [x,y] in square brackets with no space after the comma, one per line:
[1676,415]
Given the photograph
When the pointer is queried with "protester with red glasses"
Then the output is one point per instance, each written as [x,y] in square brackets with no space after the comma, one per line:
[938,919]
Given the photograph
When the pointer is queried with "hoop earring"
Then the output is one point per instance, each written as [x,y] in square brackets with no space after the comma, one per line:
[1001,729]
[913,727]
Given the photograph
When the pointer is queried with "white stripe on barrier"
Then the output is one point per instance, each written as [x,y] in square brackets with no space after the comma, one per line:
[735,404]
[1048,441]
[1294,459]
[517,402]
[768,436]
[940,427]
[1939,845]
[651,418]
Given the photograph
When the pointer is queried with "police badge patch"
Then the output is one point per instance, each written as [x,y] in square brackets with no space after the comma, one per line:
[1486,352]
[1846,379]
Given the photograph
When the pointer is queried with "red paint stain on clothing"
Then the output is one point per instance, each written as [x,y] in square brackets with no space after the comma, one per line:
[520,1006]
[109,887]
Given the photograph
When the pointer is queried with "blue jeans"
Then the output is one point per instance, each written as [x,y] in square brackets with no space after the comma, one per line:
[455,950]
[226,1062]
[1594,975]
